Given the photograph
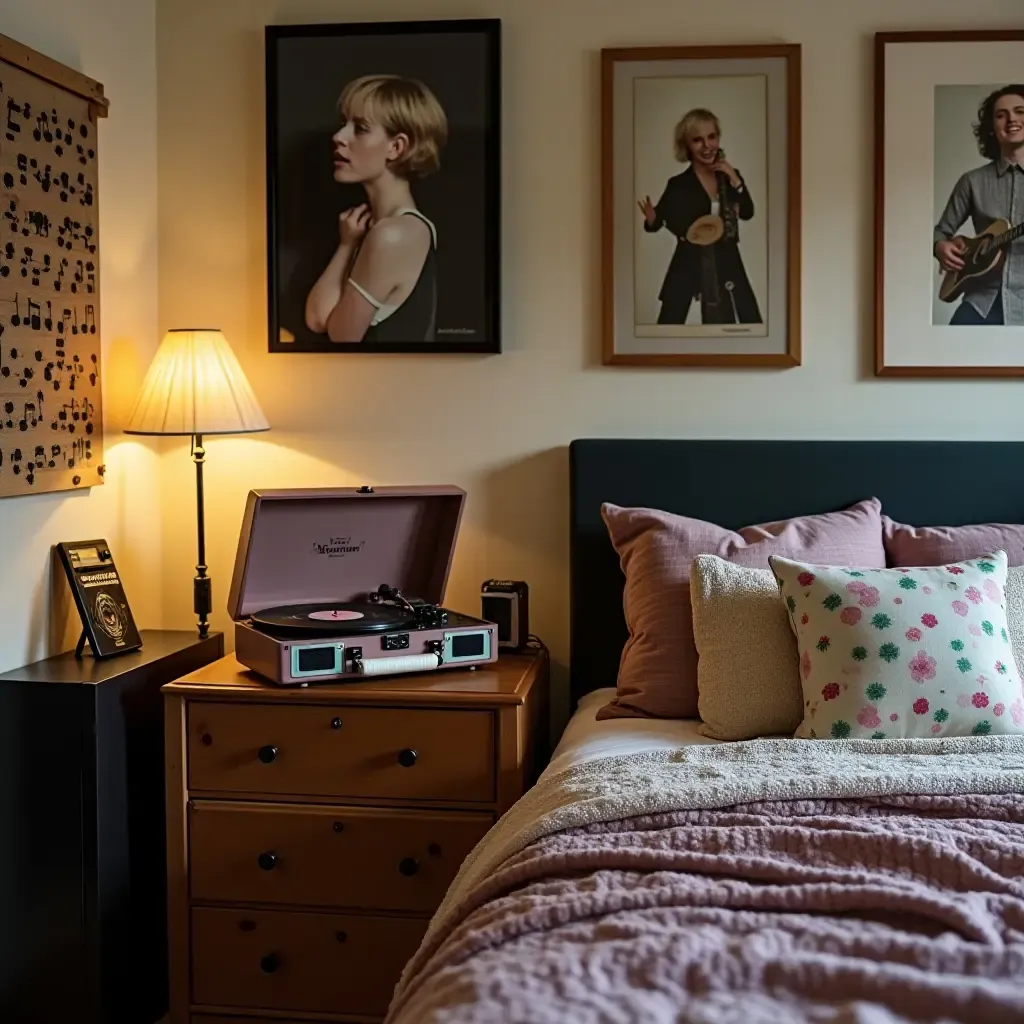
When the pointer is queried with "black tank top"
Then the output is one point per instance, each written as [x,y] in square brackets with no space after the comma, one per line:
[415,319]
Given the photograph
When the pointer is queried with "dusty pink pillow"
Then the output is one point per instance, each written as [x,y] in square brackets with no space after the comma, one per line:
[937,545]
[658,667]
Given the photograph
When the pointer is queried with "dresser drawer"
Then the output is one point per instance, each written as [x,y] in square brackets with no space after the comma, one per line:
[394,753]
[376,859]
[299,962]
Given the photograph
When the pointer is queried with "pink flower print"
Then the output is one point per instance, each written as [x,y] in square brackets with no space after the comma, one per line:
[929,620]
[868,717]
[1017,712]
[973,594]
[980,700]
[804,619]
[805,579]
[956,570]
[992,591]
[982,680]
[894,717]
[998,710]
[936,727]
[866,596]
[922,667]
[897,600]
[805,664]
[850,615]
[1000,668]
[974,630]
[920,706]
[963,700]
[913,634]
[831,691]
[960,608]
[926,590]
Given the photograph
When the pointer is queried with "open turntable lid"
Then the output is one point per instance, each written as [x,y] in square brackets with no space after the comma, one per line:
[334,544]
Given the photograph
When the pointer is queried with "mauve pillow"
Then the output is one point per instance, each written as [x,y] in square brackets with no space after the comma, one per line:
[936,545]
[658,667]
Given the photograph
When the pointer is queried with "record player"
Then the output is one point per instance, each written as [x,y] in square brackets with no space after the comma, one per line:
[339,584]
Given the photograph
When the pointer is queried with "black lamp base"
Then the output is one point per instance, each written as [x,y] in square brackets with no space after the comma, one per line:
[202,593]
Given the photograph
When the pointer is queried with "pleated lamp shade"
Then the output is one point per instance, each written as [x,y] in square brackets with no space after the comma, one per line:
[195,385]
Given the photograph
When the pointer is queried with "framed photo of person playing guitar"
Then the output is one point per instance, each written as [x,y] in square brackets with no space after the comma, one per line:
[950,227]
[701,216]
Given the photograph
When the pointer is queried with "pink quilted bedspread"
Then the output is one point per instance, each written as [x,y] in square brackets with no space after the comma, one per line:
[873,910]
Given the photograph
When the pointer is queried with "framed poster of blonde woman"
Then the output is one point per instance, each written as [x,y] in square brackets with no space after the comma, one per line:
[701,215]
[382,186]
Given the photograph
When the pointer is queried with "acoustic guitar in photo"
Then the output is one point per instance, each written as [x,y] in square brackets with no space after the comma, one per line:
[983,256]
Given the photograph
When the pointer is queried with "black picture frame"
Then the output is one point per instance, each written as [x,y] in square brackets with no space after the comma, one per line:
[460,62]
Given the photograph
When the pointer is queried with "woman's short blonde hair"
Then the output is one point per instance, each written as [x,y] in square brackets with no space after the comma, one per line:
[401,105]
[687,126]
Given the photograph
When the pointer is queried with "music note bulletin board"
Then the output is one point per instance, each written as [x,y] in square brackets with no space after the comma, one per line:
[51,414]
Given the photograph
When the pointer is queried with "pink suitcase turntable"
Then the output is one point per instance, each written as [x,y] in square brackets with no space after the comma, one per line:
[336,584]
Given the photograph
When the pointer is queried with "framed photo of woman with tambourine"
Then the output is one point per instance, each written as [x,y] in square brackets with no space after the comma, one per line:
[701,206]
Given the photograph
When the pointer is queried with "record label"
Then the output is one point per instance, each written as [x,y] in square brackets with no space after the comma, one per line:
[337,615]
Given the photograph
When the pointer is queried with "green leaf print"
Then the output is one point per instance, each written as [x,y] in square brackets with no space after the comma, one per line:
[790,604]
[983,728]
[832,602]
[823,644]
[875,692]
[957,645]
[1002,633]
[942,715]
[888,652]
[878,735]
[988,628]
[907,583]
[859,653]
[853,572]
[987,567]
[964,664]
[881,621]
[840,730]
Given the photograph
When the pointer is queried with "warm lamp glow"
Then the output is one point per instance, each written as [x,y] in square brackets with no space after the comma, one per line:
[196,386]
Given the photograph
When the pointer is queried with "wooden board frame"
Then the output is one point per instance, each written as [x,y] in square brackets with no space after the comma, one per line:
[51,409]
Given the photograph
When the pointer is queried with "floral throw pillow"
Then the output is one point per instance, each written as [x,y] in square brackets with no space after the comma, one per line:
[892,653]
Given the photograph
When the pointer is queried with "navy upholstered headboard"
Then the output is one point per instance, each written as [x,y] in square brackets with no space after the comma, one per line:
[735,483]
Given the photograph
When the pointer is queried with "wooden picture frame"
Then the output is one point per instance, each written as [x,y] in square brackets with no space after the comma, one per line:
[51,390]
[658,286]
[447,176]
[931,321]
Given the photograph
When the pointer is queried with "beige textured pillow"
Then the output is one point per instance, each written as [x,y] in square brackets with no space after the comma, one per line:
[1014,594]
[748,668]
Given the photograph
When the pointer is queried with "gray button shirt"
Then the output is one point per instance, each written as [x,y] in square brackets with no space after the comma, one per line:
[992,192]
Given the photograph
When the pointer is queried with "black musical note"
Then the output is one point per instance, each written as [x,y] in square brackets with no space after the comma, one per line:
[89,320]
[39,223]
[9,252]
[42,128]
[13,128]
[87,196]
[31,416]
[59,278]
[22,170]
[16,317]
[48,322]
[34,319]
[8,412]
[95,375]
[31,266]
[44,178]
[65,318]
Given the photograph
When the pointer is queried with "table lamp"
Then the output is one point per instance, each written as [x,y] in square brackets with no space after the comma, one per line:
[195,386]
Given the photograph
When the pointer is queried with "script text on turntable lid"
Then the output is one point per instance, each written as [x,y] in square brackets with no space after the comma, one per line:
[331,545]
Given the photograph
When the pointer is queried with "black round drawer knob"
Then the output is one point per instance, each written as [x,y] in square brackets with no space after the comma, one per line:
[267,861]
[407,757]
[268,754]
[269,963]
[206,739]
[408,866]
[336,723]
[339,826]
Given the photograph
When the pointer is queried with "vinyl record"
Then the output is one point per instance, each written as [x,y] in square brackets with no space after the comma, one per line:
[333,619]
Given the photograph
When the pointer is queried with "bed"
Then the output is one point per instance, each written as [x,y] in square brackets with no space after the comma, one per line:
[653,874]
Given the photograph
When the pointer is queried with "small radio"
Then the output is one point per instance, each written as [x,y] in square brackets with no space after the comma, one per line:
[506,603]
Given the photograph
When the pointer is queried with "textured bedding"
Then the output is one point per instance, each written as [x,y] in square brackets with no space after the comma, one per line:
[769,880]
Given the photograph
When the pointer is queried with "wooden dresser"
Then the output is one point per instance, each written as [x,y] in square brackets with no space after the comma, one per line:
[312,832]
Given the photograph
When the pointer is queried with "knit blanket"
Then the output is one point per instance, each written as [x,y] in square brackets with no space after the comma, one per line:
[774,880]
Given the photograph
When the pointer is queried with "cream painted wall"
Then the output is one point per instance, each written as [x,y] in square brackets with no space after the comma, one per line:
[499,425]
[114,42]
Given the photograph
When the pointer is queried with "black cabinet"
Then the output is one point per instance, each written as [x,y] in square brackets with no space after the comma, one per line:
[83,932]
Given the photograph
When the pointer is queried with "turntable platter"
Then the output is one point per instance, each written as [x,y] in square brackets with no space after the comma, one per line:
[332,620]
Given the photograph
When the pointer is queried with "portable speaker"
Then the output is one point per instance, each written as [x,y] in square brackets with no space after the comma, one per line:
[506,603]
